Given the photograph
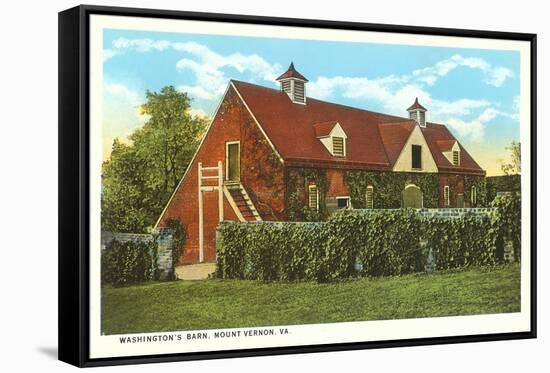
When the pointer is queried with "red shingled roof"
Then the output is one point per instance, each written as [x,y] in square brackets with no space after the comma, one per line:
[434,133]
[374,140]
[292,73]
[325,128]
[446,145]
[394,136]
[416,105]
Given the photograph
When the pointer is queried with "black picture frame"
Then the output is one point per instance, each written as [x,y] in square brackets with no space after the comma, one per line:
[74,150]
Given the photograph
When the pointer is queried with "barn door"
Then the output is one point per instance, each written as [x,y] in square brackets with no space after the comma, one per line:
[233,161]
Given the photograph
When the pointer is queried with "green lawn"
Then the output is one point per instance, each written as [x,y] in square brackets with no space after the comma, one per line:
[209,304]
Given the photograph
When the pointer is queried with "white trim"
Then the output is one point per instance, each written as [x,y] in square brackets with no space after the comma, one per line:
[449,154]
[201,223]
[309,194]
[343,146]
[233,204]
[343,197]
[473,196]
[192,159]
[446,196]
[250,204]
[220,191]
[290,95]
[227,143]
[328,140]
[457,157]
[258,123]
[372,197]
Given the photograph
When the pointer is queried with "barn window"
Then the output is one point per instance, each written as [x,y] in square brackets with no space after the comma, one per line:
[456,158]
[343,202]
[417,157]
[338,146]
[370,197]
[313,197]
[473,197]
[447,195]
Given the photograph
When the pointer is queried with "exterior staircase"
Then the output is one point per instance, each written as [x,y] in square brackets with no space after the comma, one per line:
[241,202]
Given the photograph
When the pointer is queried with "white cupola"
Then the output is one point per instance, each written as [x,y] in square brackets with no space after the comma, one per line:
[417,112]
[294,85]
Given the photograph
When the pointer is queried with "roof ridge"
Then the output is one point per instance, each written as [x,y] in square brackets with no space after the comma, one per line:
[325,102]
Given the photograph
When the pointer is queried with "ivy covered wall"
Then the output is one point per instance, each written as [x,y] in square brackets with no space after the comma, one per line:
[297,182]
[480,183]
[387,187]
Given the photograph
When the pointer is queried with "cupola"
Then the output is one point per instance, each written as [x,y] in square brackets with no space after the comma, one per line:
[294,85]
[417,112]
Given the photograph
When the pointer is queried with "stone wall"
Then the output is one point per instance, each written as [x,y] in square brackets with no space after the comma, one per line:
[164,249]
[455,212]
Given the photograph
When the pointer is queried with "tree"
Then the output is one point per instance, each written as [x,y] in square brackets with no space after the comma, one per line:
[514,167]
[140,176]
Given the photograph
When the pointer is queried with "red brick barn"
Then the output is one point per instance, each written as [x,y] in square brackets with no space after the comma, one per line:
[276,154]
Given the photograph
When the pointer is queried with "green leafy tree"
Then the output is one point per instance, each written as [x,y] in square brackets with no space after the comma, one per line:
[514,166]
[139,177]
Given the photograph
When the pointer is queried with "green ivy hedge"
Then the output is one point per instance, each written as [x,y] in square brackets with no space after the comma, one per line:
[130,262]
[503,183]
[363,242]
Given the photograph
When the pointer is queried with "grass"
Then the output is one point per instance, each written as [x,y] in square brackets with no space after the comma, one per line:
[210,304]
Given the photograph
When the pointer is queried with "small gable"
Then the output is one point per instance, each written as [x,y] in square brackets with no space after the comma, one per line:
[415,156]
[332,136]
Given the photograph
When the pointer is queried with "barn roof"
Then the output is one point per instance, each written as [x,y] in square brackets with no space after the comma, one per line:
[374,140]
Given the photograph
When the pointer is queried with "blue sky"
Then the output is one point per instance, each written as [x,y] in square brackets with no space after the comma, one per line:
[474,92]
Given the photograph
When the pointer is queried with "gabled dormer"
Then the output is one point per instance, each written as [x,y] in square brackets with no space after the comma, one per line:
[417,113]
[294,85]
[332,136]
[451,151]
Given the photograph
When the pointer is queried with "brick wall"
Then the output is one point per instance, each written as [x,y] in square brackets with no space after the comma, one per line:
[232,123]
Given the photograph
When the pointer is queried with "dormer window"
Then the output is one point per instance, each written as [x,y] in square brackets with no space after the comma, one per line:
[294,85]
[456,158]
[332,136]
[338,146]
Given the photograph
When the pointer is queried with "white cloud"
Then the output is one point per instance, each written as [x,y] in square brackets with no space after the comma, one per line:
[198,112]
[140,45]
[498,75]
[207,66]
[473,129]
[108,54]
[495,76]
[396,95]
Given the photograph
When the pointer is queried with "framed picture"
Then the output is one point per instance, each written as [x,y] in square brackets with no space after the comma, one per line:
[234,186]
